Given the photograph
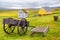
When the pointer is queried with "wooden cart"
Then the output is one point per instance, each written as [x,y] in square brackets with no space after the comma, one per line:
[9,25]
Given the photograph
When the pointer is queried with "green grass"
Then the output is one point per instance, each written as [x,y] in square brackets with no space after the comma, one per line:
[53,33]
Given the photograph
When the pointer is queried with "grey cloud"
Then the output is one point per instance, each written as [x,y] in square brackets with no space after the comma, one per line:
[28,4]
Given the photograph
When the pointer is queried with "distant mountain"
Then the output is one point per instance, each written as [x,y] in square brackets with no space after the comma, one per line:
[47,8]
[54,7]
[7,9]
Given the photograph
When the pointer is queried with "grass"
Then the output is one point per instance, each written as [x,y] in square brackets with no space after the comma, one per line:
[53,33]
[8,13]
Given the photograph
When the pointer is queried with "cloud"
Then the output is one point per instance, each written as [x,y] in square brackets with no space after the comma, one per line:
[28,3]
[55,5]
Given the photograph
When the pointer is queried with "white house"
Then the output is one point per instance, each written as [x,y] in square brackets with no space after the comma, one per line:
[22,14]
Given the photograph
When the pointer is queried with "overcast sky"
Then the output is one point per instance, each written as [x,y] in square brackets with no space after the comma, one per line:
[16,4]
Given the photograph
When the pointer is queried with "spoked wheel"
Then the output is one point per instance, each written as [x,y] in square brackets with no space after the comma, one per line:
[22,30]
[8,28]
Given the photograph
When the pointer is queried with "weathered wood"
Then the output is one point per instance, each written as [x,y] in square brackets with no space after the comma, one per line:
[23,24]
[9,21]
[5,21]
[43,30]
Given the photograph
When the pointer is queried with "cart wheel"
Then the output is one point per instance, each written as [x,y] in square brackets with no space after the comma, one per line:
[8,28]
[22,30]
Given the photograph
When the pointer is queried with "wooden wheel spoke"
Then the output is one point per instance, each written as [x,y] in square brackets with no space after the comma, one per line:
[22,31]
[8,29]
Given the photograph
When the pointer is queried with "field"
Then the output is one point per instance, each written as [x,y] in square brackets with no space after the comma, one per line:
[53,33]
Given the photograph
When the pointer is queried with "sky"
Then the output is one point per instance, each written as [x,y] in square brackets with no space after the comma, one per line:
[18,4]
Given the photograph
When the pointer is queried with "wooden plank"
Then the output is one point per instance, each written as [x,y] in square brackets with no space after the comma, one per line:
[43,30]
